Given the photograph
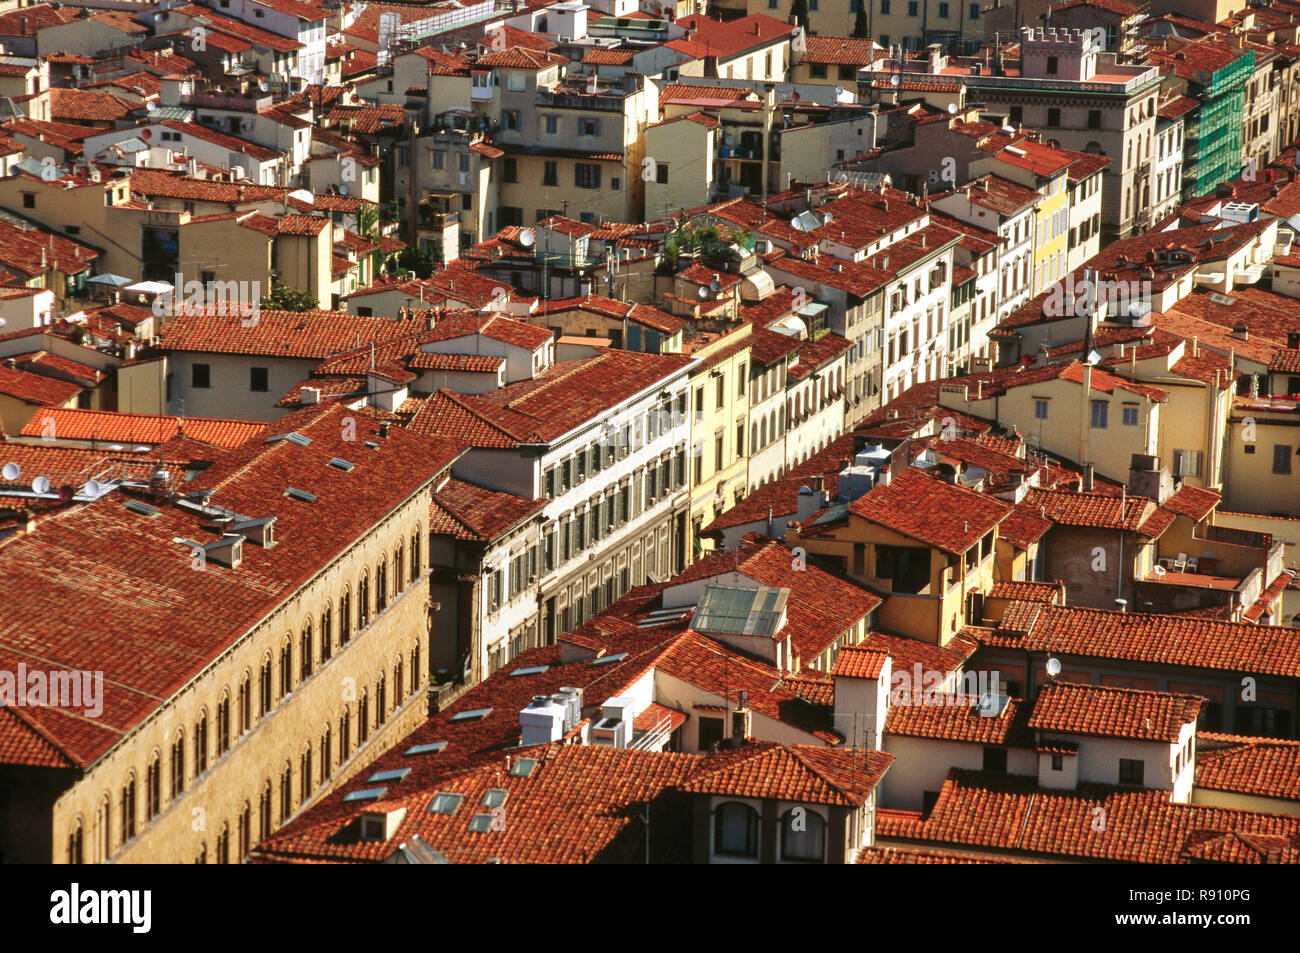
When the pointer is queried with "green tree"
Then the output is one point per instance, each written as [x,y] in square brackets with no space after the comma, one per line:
[860,21]
[414,259]
[284,298]
[799,10]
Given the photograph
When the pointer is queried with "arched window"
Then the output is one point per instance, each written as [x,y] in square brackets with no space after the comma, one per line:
[735,830]
[153,787]
[201,744]
[397,683]
[75,853]
[178,764]
[415,668]
[760,438]
[363,719]
[305,653]
[415,554]
[128,809]
[264,811]
[245,830]
[223,724]
[286,666]
[265,686]
[104,824]
[326,635]
[803,836]
[363,602]
[286,792]
[381,699]
[245,703]
[753,436]
[399,569]
[381,586]
[345,735]
[202,857]
[345,618]
[326,754]
[223,845]
[304,773]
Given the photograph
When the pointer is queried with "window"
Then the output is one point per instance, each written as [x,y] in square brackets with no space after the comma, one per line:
[1187,463]
[1094,118]
[974,11]
[552,124]
[912,8]
[437,158]
[884,7]
[589,127]
[223,725]
[245,704]
[1017,115]
[710,732]
[1058,762]
[943,11]
[735,830]
[264,688]
[1054,117]
[515,81]
[510,170]
[257,379]
[286,668]
[201,375]
[462,161]
[178,764]
[995,759]
[1100,413]
[805,840]
[586,175]
[1040,410]
[128,810]
[1281,458]
[550,175]
[1130,416]
[718,446]
[1130,771]
[201,745]
[1051,65]
[510,119]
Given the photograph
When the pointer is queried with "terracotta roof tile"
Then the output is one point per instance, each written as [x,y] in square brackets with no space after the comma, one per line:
[1098,710]
[943,515]
[1264,767]
[467,511]
[814,775]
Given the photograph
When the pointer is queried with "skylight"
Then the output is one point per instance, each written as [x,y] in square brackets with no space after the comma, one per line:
[445,803]
[366,794]
[740,611]
[302,495]
[339,463]
[472,714]
[608,658]
[432,748]
[291,436]
[144,509]
[530,670]
[523,767]
[480,823]
[395,774]
[495,797]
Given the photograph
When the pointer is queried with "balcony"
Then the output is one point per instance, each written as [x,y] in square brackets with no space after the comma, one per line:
[565,99]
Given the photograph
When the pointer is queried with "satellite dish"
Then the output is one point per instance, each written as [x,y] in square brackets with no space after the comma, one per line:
[1053,667]
[343,190]
[150,106]
[146,133]
[11,471]
[264,86]
[952,108]
[92,488]
[715,285]
[526,238]
[893,80]
[704,292]
[41,485]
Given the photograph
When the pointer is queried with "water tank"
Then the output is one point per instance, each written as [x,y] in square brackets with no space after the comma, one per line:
[542,721]
[855,481]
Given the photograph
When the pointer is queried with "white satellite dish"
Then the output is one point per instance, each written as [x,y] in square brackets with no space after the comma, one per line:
[1053,667]
[264,86]
[715,285]
[704,292]
[150,106]
[10,471]
[343,190]
[893,80]
[92,488]
[41,485]
[527,237]
[952,108]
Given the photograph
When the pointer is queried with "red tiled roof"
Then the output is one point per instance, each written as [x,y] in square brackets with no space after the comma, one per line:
[132,609]
[853,661]
[1267,597]
[111,426]
[1026,591]
[1170,640]
[520,58]
[34,251]
[959,718]
[1263,767]
[1193,502]
[943,515]
[813,775]
[467,363]
[85,105]
[1080,709]
[36,388]
[1010,812]
[848,51]
[223,140]
[1133,514]
[293,334]
[466,511]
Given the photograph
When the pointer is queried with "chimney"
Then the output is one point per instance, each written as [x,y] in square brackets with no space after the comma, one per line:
[384,425]
[1239,330]
[309,395]
[1088,475]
